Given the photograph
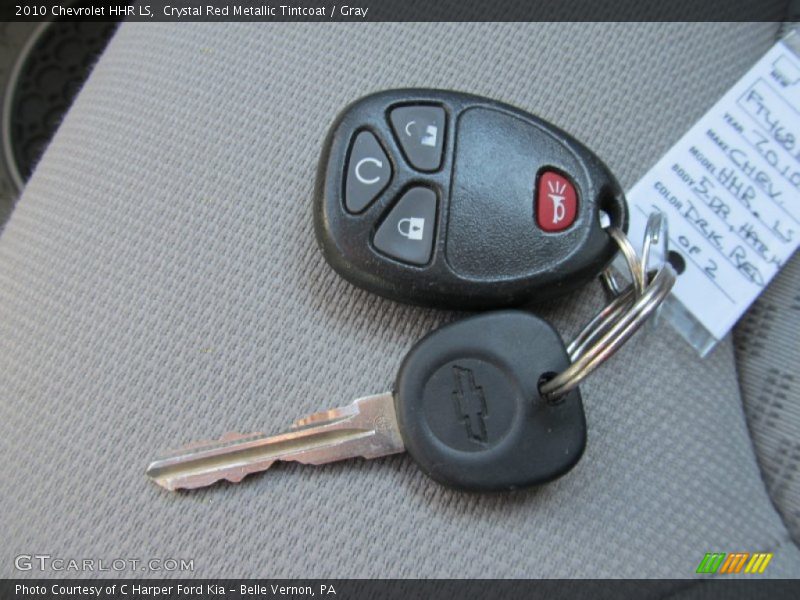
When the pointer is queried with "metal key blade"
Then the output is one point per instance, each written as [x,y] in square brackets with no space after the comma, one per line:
[366,428]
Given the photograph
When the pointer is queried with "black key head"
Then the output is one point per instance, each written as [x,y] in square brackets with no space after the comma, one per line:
[469,408]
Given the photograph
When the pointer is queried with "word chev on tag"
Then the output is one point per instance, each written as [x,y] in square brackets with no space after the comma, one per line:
[730,188]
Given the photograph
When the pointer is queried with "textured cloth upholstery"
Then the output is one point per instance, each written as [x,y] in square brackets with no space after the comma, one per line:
[768,355]
[160,283]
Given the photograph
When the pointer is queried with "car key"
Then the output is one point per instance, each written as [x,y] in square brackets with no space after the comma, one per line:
[487,403]
[466,406]
[446,199]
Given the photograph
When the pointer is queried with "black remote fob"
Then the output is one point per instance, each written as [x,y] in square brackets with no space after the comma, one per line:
[446,199]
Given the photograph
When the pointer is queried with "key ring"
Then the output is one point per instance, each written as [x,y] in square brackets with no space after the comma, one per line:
[618,321]
[655,231]
[631,258]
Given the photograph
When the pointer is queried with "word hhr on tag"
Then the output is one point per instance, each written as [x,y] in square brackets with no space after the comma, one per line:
[730,188]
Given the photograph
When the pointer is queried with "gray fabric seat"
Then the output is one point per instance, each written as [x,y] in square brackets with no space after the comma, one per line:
[160,283]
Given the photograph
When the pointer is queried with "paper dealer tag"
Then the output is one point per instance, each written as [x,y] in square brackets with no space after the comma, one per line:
[730,189]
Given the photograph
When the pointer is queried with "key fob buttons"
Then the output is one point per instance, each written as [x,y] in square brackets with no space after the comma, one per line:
[420,132]
[368,172]
[446,199]
[407,232]
[556,202]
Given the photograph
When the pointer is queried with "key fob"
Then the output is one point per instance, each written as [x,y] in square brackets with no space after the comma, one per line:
[446,199]
[469,408]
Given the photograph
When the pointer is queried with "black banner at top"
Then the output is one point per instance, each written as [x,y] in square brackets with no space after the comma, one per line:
[394,10]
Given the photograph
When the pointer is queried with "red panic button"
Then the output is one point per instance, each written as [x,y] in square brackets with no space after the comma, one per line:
[556,202]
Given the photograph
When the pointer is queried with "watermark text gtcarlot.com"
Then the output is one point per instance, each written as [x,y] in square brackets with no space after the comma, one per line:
[46,562]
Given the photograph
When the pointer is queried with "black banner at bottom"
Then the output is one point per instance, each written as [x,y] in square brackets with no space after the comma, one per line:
[409,589]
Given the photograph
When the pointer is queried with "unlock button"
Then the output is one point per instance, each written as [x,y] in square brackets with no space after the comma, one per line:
[420,131]
[406,233]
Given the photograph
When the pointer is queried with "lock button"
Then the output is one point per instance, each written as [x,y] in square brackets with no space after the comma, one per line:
[407,232]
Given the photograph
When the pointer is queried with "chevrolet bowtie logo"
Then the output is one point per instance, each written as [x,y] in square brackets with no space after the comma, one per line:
[470,404]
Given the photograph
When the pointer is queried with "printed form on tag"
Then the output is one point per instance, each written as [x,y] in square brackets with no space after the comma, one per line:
[730,189]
